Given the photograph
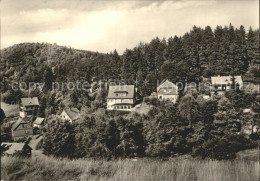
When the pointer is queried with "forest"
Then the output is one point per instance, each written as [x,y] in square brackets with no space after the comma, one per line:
[188,58]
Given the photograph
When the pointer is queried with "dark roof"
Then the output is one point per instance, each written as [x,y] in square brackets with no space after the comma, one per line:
[73,113]
[113,89]
[38,121]
[19,121]
[30,101]
[13,147]
[117,104]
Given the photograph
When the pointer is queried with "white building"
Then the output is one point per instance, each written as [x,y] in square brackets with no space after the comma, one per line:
[167,91]
[224,83]
[121,97]
[70,114]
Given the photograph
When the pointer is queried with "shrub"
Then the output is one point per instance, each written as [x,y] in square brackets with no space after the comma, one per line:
[223,148]
[152,101]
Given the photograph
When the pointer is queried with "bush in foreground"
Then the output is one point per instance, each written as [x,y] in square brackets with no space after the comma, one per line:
[223,148]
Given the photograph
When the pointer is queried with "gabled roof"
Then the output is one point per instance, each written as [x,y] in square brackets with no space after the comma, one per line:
[225,80]
[13,147]
[30,101]
[38,121]
[73,113]
[114,89]
[20,121]
[168,91]
[167,87]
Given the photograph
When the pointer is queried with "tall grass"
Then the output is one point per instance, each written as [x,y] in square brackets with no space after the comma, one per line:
[48,168]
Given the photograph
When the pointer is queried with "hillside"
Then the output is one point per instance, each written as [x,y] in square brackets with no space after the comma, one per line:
[198,53]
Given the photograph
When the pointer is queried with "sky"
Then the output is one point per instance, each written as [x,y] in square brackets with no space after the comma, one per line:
[107,25]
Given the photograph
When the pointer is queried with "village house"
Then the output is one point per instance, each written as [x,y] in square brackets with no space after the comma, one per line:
[21,149]
[121,97]
[22,129]
[205,96]
[28,106]
[222,84]
[39,122]
[70,114]
[167,91]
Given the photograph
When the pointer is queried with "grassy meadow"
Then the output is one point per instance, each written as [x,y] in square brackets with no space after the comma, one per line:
[48,168]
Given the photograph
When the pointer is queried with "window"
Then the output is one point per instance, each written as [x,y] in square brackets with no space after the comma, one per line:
[160,97]
[26,132]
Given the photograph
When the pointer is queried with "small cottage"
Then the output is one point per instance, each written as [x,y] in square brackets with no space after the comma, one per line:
[22,129]
[28,106]
[70,114]
[19,149]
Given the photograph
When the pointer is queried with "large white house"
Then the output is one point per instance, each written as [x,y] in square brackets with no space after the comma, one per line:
[167,91]
[121,97]
[225,83]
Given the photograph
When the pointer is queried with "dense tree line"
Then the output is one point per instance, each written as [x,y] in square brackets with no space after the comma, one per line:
[198,53]
[206,128]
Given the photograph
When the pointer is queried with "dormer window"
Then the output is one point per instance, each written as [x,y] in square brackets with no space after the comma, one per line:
[121,93]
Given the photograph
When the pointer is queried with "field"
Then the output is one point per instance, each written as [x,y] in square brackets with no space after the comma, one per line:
[47,168]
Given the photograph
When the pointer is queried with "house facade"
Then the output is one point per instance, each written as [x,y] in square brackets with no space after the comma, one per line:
[70,114]
[22,129]
[28,106]
[168,91]
[121,97]
[222,84]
